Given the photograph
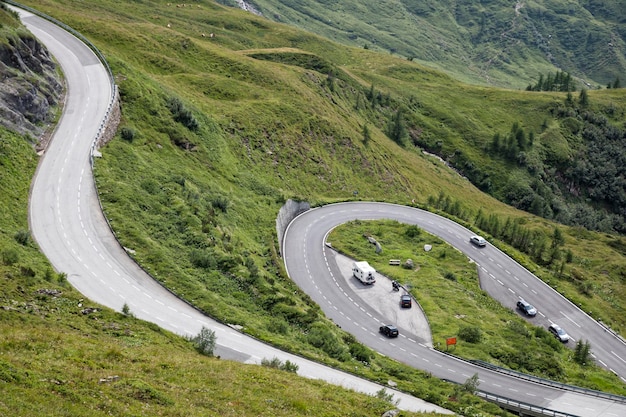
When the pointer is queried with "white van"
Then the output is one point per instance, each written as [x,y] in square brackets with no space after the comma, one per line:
[363,272]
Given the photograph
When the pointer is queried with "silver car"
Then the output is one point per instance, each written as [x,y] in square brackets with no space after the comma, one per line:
[478,241]
[558,332]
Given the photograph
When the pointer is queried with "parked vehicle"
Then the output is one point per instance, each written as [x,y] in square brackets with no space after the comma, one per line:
[405,301]
[364,272]
[558,332]
[526,308]
[389,330]
[478,241]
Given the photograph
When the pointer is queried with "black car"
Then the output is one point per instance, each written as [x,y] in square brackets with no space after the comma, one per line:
[405,301]
[526,308]
[389,330]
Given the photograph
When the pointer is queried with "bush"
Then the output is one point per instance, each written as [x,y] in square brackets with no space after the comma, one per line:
[10,257]
[181,114]
[203,259]
[470,334]
[127,134]
[278,364]
[22,237]
[205,341]
[220,203]
[126,310]
[27,271]
[360,352]
[449,276]
[412,231]
[321,337]
[62,278]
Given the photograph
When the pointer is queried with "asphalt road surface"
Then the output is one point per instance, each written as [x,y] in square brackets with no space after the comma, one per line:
[68,225]
[313,266]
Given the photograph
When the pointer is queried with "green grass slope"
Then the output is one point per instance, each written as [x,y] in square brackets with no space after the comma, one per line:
[221,129]
[227,115]
[61,355]
[492,42]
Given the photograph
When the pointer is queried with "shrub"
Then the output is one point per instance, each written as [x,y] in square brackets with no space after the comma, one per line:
[27,271]
[62,278]
[220,203]
[205,341]
[360,352]
[203,259]
[412,231]
[181,114]
[321,337]
[449,276]
[278,364]
[471,334]
[22,237]
[48,275]
[10,257]
[126,310]
[127,134]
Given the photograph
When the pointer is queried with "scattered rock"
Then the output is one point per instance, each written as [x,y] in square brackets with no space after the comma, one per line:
[53,293]
[428,248]
[108,379]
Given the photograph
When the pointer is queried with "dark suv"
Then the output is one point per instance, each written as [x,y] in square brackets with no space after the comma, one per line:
[389,330]
[526,308]
[405,301]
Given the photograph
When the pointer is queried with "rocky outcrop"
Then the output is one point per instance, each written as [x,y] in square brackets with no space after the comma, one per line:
[30,85]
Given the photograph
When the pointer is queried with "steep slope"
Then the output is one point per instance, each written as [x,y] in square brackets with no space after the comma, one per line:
[226,115]
[492,42]
[63,355]
[31,85]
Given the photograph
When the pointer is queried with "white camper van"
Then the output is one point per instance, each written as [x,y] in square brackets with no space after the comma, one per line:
[363,272]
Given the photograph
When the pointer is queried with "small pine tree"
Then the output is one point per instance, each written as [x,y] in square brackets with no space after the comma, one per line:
[582,352]
[126,310]
[367,136]
[397,130]
[583,98]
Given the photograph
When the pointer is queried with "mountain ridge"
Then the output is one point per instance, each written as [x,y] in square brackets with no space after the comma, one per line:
[489,42]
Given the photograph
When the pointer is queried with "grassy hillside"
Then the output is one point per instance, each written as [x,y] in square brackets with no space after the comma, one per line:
[226,115]
[492,42]
[222,129]
[62,355]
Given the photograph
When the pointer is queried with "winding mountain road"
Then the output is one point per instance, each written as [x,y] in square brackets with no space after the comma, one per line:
[314,267]
[67,223]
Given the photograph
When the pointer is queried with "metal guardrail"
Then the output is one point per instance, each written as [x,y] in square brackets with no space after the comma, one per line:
[548,382]
[524,409]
